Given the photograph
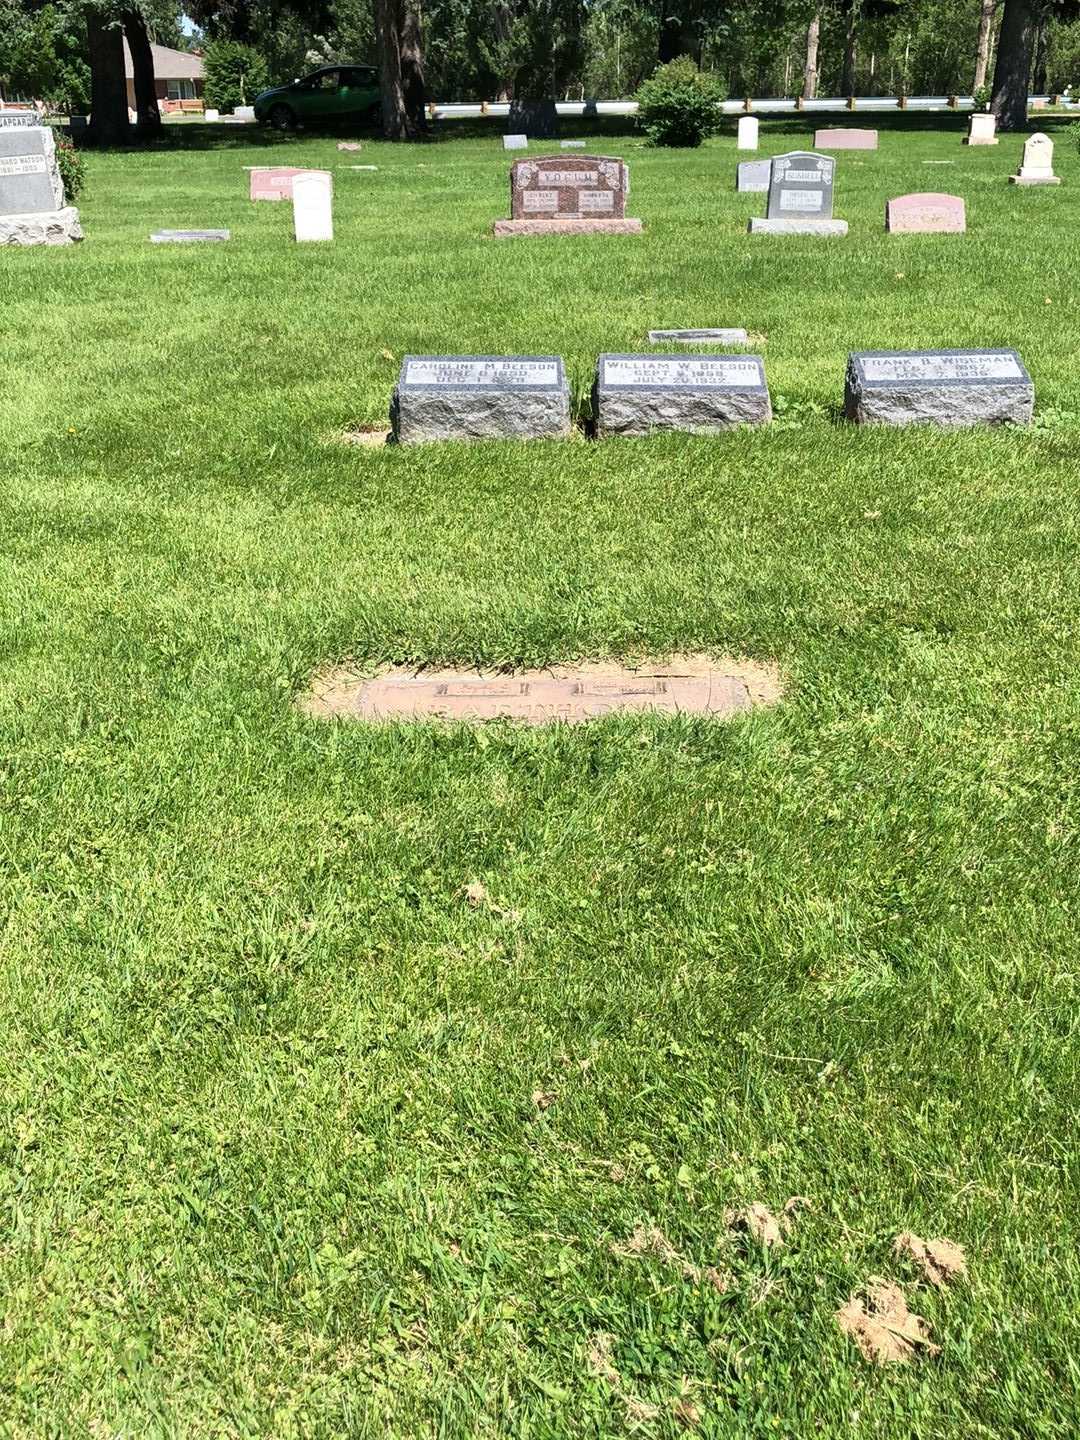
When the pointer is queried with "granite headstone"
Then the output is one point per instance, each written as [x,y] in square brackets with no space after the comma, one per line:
[32,209]
[636,394]
[800,197]
[752,176]
[981,130]
[515,142]
[274,184]
[555,194]
[840,139]
[925,213]
[480,397]
[938,387]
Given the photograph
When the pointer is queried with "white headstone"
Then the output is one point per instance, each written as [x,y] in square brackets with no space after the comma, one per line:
[211,115]
[515,142]
[1037,166]
[313,205]
[983,126]
[748,133]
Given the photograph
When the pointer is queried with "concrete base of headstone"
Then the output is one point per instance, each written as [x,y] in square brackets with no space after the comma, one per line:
[797,227]
[49,227]
[481,414]
[1023,179]
[624,226]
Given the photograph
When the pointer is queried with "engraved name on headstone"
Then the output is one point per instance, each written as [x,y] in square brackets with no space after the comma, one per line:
[470,397]
[18,119]
[274,183]
[800,197]
[938,387]
[635,394]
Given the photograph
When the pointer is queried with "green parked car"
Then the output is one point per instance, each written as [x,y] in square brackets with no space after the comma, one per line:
[334,92]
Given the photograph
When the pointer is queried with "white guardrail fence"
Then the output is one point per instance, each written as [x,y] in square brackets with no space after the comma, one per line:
[868,104]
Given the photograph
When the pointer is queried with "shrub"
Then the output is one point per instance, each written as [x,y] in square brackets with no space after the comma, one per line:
[677,105]
[72,169]
[234,74]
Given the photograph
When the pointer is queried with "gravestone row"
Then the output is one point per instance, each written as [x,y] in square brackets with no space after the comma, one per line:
[467,397]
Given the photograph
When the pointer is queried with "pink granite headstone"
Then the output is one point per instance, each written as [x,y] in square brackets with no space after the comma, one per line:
[925,213]
[845,140]
[565,187]
[274,184]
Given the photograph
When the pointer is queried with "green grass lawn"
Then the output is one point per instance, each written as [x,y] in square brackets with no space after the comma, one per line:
[272,1163]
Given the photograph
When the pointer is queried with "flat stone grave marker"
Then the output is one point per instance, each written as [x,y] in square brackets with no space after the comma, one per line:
[313,206]
[729,336]
[274,184]
[32,209]
[515,142]
[571,144]
[636,394]
[981,129]
[349,145]
[752,176]
[841,139]
[187,237]
[562,694]
[800,197]
[747,133]
[1037,166]
[938,387]
[925,213]
[480,397]
[555,195]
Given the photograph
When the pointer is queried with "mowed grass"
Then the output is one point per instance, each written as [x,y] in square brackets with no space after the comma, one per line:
[272,1162]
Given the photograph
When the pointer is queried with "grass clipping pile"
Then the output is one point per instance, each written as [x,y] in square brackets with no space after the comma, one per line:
[694,684]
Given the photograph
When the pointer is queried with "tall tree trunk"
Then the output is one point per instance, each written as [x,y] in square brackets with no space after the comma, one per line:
[142,63]
[1013,68]
[851,36]
[401,68]
[982,45]
[810,73]
[108,89]
[1038,77]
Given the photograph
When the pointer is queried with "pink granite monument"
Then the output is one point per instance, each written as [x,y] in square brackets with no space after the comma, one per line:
[845,139]
[564,195]
[925,213]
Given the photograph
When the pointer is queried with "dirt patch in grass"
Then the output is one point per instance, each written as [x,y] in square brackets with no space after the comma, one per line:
[650,1240]
[940,1261]
[365,435]
[882,1326]
[696,684]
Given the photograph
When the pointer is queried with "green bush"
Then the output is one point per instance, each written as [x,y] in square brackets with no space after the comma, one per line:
[234,74]
[677,105]
[72,169]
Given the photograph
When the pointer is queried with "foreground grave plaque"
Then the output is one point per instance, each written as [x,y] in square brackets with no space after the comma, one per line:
[925,213]
[559,195]
[845,139]
[32,209]
[188,237]
[938,387]
[480,397]
[635,394]
[800,197]
[752,176]
[731,336]
[541,697]
[274,184]
[1037,166]
[982,129]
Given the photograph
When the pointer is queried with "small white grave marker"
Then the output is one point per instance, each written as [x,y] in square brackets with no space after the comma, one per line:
[983,126]
[211,115]
[1037,166]
[515,142]
[313,206]
[748,133]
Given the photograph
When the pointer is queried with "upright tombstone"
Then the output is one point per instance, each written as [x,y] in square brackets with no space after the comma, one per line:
[313,205]
[636,394]
[515,142]
[840,139]
[480,397]
[752,176]
[18,119]
[32,209]
[925,213]
[211,115]
[983,126]
[938,387]
[1037,166]
[557,195]
[800,197]
[747,138]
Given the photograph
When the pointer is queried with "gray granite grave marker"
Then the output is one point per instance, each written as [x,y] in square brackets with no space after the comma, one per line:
[730,336]
[752,176]
[800,197]
[477,397]
[938,387]
[32,209]
[187,237]
[635,394]
[515,142]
